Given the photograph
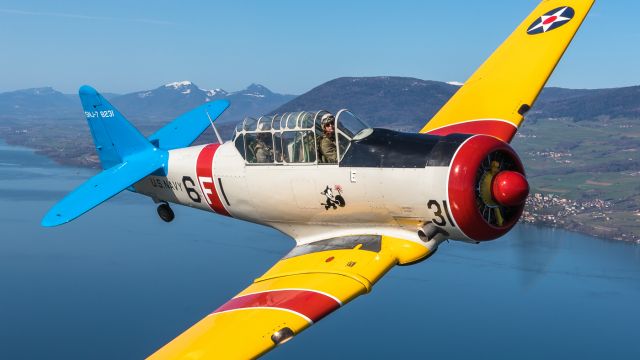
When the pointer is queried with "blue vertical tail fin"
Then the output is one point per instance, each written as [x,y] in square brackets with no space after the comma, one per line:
[114,137]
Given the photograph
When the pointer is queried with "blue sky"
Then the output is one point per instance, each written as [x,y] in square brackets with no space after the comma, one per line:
[288,46]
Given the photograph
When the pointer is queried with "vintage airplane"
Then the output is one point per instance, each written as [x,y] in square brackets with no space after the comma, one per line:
[384,198]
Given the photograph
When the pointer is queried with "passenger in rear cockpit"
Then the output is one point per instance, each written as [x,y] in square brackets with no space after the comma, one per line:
[264,153]
[327,146]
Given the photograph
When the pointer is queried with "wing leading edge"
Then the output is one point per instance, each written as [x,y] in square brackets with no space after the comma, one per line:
[302,288]
[496,97]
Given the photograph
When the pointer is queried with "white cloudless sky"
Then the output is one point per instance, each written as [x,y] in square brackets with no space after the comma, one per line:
[288,46]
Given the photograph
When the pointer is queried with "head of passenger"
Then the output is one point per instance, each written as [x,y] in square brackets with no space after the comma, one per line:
[328,124]
[264,137]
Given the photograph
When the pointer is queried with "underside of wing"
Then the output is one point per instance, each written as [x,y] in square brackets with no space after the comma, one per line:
[104,186]
[309,283]
[496,97]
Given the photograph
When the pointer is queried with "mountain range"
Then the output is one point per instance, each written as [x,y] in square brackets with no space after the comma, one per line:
[38,102]
[408,103]
[392,102]
[149,106]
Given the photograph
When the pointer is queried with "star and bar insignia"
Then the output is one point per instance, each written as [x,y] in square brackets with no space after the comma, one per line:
[551,20]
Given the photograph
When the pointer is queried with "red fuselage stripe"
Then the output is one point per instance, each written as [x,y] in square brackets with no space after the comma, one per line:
[204,171]
[311,304]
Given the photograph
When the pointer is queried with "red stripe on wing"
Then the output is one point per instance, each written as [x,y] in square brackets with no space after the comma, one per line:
[500,129]
[311,304]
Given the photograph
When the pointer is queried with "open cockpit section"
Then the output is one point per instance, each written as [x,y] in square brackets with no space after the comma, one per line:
[298,138]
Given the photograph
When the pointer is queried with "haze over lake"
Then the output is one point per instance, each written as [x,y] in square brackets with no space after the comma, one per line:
[118,283]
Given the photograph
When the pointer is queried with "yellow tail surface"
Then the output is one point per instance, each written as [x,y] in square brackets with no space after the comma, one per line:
[495,98]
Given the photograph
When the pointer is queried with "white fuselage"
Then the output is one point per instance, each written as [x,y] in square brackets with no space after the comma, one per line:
[305,201]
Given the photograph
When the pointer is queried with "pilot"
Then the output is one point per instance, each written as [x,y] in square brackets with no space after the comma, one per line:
[328,139]
[264,153]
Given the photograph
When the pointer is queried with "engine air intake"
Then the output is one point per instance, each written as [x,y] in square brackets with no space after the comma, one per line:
[487,188]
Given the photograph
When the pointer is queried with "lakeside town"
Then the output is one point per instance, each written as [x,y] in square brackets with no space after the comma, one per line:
[593,217]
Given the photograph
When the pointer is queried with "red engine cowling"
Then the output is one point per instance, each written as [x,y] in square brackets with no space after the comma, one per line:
[487,188]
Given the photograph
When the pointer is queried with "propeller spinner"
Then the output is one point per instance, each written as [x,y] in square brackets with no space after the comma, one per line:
[509,188]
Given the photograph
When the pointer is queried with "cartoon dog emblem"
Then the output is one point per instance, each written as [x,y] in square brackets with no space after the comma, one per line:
[333,201]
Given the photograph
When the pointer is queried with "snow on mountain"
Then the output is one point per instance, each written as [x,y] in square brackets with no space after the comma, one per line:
[253,94]
[179,84]
[187,87]
[215,92]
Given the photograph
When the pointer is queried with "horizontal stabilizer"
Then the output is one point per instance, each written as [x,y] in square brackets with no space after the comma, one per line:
[185,129]
[105,185]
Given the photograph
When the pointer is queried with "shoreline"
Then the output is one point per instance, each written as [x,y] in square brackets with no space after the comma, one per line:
[577,228]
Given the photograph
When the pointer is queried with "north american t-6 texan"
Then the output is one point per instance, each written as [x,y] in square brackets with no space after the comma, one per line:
[363,200]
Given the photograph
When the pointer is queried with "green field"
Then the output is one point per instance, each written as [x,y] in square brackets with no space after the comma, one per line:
[584,161]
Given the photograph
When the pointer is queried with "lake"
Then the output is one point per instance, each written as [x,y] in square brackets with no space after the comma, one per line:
[118,283]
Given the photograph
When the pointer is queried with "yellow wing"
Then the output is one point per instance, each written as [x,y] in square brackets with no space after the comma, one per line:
[310,282]
[495,98]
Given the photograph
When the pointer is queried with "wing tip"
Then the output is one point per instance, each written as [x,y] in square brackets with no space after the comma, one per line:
[53,218]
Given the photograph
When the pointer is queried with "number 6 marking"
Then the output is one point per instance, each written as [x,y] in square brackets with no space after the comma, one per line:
[193,194]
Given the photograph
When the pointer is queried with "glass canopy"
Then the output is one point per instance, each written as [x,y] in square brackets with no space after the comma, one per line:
[303,137]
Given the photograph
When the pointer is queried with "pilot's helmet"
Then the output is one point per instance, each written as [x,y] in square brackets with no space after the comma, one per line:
[327,119]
